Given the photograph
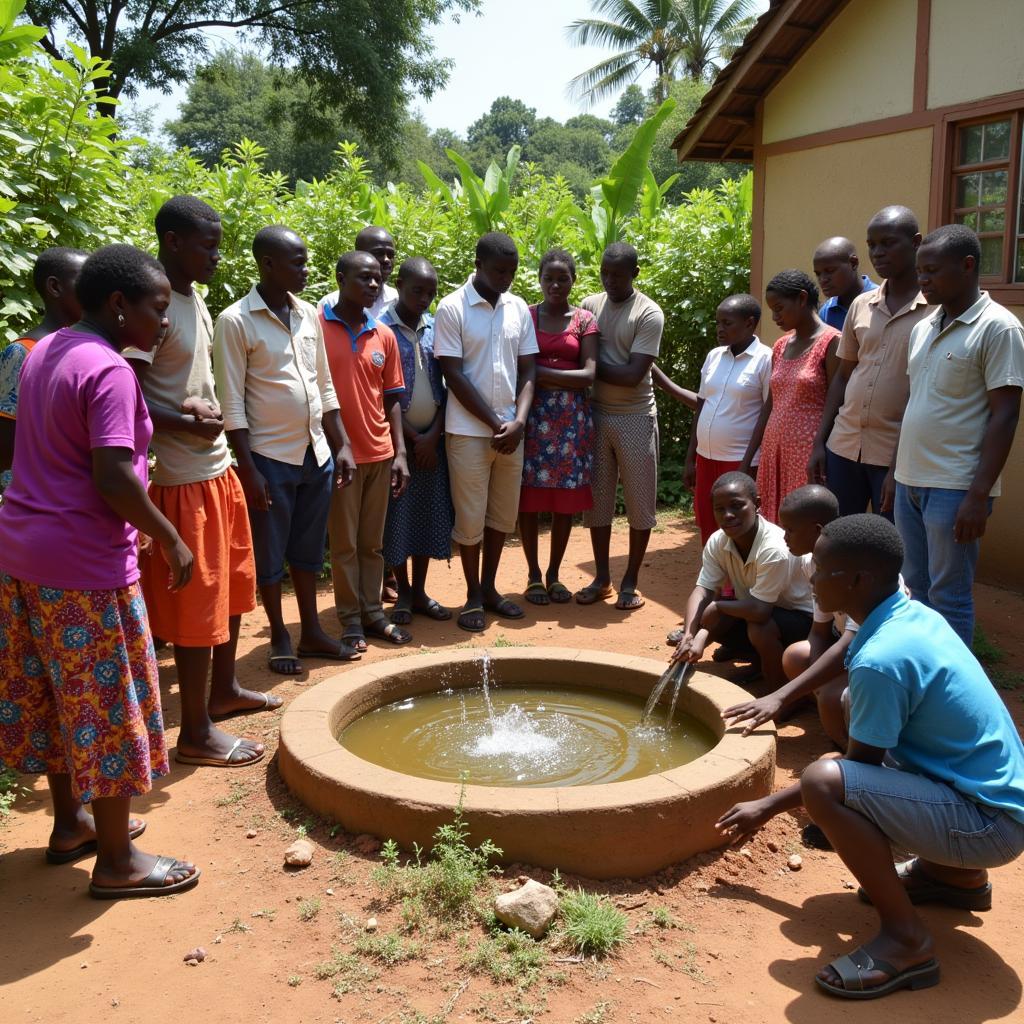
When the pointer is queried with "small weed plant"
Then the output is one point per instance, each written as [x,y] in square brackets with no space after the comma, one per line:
[308,909]
[598,1015]
[387,949]
[590,924]
[508,958]
[10,789]
[350,973]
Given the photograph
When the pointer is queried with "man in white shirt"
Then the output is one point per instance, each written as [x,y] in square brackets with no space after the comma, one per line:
[381,246]
[485,342]
[281,415]
[734,384]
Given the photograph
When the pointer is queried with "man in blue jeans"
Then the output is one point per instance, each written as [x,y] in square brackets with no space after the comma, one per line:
[966,370]
[934,764]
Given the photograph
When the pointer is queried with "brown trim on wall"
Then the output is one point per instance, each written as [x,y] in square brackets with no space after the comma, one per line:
[923,42]
[757,221]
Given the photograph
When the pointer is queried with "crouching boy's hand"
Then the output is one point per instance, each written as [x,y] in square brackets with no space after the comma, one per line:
[742,820]
[691,647]
[752,713]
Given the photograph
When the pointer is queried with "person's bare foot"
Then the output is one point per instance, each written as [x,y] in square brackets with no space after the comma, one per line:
[240,700]
[220,746]
[901,954]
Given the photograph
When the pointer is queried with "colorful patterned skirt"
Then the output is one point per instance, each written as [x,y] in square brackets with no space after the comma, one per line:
[79,690]
[558,454]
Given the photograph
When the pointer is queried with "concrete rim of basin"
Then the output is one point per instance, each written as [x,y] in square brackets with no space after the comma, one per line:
[619,829]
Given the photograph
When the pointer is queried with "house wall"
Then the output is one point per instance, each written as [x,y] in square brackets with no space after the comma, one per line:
[975,48]
[830,86]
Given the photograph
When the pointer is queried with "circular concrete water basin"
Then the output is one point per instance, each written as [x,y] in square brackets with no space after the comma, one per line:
[608,830]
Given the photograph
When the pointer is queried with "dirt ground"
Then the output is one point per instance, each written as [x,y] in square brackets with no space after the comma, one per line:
[747,935]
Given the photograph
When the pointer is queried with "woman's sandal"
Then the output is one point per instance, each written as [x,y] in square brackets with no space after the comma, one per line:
[630,599]
[385,630]
[357,641]
[151,885]
[433,610]
[537,593]
[852,967]
[594,592]
[505,608]
[136,826]
[559,592]
[472,619]
[401,614]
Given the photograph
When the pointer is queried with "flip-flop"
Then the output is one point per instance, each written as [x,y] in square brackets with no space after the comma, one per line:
[627,593]
[151,885]
[401,614]
[89,846]
[592,593]
[352,653]
[221,762]
[559,592]
[433,610]
[475,610]
[505,608]
[928,891]
[271,702]
[852,967]
[357,641]
[384,629]
[275,659]
[537,593]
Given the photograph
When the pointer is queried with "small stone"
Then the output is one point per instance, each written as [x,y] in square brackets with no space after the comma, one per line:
[83,966]
[371,924]
[299,854]
[795,863]
[532,907]
[218,940]
[366,844]
[251,834]
[773,847]
[198,954]
[115,1002]
[747,852]
[191,962]
[329,892]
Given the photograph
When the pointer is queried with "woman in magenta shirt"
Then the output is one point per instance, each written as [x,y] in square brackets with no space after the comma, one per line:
[79,691]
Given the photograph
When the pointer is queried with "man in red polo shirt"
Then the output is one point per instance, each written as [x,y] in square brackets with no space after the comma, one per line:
[367,372]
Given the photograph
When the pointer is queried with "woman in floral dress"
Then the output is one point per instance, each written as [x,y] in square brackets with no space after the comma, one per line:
[559,431]
[804,361]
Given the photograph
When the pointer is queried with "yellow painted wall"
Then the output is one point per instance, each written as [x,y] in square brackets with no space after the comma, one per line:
[975,50]
[835,190]
[860,68]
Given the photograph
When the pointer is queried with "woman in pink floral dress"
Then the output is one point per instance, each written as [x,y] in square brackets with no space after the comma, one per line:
[803,362]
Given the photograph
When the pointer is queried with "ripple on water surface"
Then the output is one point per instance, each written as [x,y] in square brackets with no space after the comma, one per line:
[534,736]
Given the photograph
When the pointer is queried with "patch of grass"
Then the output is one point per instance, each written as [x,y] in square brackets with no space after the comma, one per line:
[414,913]
[239,927]
[503,641]
[446,881]
[1006,679]
[342,864]
[237,792]
[349,972]
[986,651]
[308,909]
[387,949]
[598,1015]
[590,924]
[10,789]
[295,981]
[662,918]
[509,958]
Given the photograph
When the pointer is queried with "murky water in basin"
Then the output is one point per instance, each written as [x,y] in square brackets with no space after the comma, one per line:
[531,736]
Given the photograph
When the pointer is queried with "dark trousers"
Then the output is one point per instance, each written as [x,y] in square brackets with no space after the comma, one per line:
[855,484]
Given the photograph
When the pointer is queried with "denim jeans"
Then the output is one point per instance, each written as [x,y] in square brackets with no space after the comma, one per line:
[855,484]
[938,570]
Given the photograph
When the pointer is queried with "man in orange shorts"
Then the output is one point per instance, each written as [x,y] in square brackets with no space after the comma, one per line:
[194,485]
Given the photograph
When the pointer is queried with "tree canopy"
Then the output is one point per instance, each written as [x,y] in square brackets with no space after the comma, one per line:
[364,59]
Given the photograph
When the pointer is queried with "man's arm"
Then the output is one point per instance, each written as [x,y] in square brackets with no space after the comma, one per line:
[688,398]
[511,433]
[1004,412]
[690,463]
[628,375]
[400,462]
[833,403]
[470,399]
[695,638]
[174,420]
[337,439]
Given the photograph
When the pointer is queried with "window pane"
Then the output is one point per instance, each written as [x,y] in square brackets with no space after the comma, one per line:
[1018,274]
[970,144]
[991,257]
[993,187]
[968,188]
[993,220]
[970,219]
[996,141]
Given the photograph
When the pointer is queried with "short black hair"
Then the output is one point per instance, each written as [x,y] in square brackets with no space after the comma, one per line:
[183,215]
[737,479]
[117,268]
[370,234]
[273,238]
[347,260]
[60,262]
[746,305]
[790,283]
[416,266]
[621,252]
[812,503]
[956,240]
[496,245]
[867,541]
[558,256]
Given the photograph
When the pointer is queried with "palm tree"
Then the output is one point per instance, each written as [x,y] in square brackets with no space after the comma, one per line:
[662,34]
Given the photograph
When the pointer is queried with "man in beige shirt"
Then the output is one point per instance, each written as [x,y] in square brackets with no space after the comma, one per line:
[282,418]
[865,402]
[966,368]
[625,422]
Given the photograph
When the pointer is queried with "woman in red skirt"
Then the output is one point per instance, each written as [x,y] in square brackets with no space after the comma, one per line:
[559,431]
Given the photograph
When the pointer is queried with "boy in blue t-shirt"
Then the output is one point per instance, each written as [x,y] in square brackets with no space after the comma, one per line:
[934,764]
